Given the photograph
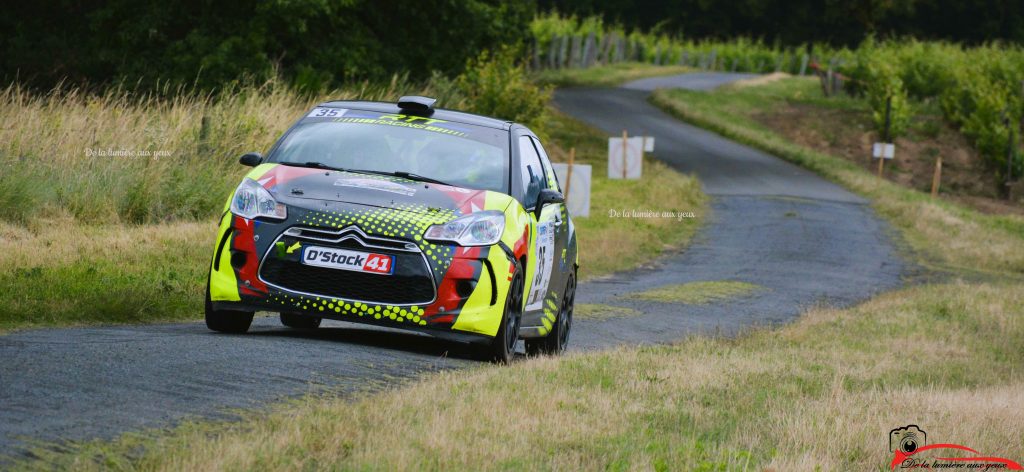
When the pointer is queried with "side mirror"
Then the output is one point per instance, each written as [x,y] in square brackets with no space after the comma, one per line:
[546,197]
[251,159]
[532,192]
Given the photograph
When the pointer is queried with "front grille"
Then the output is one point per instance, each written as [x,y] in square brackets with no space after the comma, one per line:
[350,235]
[410,283]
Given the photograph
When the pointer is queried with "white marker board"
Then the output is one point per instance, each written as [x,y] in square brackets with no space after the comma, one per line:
[883,151]
[578,199]
[633,161]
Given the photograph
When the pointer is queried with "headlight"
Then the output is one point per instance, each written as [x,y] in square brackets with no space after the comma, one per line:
[251,200]
[482,228]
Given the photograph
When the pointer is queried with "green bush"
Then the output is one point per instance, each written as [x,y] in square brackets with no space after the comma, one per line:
[981,107]
[885,90]
[926,68]
[741,54]
[977,88]
[312,44]
[496,84]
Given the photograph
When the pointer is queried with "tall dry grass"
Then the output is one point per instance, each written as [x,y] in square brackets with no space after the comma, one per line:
[107,201]
[123,157]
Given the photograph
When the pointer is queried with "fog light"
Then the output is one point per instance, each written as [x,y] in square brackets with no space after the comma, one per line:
[238,259]
[465,288]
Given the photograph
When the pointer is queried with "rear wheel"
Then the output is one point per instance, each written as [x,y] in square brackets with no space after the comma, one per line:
[502,348]
[226,321]
[299,321]
[558,339]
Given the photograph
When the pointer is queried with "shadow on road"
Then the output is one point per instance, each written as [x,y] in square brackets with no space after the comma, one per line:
[379,338]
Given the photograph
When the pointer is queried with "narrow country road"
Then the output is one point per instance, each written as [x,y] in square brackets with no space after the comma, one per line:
[804,240]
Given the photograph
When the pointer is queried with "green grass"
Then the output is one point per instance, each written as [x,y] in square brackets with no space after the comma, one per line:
[942,234]
[606,75]
[599,311]
[59,273]
[697,293]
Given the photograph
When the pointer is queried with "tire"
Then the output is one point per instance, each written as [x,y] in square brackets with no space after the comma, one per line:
[298,321]
[502,348]
[557,340]
[226,321]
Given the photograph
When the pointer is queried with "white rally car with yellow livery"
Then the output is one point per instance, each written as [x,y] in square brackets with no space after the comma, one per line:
[401,215]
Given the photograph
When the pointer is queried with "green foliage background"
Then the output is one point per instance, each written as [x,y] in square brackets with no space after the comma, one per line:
[470,48]
[980,88]
[794,22]
[314,44]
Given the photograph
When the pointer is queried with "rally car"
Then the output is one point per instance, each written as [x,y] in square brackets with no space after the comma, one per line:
[401,215]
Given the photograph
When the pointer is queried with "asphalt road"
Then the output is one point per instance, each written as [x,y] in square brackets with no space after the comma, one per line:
[804,240]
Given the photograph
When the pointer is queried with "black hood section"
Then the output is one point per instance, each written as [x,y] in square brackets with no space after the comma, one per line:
[313,190]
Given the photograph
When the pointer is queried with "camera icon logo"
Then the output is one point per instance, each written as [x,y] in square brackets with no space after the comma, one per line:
[907,439]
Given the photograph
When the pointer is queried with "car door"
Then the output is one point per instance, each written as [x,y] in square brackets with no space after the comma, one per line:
[563,226]
[541,260]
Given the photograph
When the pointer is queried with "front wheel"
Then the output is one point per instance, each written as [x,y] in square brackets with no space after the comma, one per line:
[226,321]
[558,339]
[299,321]
[502,348]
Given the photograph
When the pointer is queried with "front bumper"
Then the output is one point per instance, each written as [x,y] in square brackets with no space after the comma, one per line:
[447,334]
[445,291]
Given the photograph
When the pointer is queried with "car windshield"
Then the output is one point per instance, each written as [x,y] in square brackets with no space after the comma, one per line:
[455,153]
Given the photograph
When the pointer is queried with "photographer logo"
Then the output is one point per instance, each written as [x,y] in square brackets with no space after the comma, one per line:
[906,439]
[907,444]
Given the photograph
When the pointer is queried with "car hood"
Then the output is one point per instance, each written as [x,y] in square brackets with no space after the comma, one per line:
[307,187]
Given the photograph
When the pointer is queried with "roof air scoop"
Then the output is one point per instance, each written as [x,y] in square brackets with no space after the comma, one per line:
[417,105]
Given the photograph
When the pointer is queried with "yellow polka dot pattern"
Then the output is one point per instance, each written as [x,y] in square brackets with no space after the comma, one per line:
[336,307]
[407,222]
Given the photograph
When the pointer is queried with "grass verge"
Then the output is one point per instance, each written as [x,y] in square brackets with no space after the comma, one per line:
[696,293]
[600,311]
[605,76]
[944,357]
[57,272]
[944,234]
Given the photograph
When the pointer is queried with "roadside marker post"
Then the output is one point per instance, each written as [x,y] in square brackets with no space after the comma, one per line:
[937,177]
[625,151]
[643,147]
[1009,155]
[885,150]
[626,155]
[568,172]
[576,182]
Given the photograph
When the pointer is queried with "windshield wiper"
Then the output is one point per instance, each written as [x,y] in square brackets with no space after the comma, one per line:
[421,178]
[321,165]
[402,174]
[312,164]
